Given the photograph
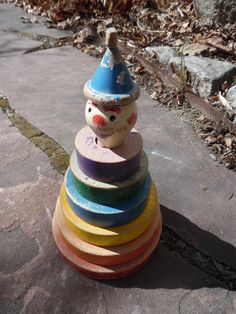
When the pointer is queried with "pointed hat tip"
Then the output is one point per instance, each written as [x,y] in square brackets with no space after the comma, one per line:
[112,83]
[111,37]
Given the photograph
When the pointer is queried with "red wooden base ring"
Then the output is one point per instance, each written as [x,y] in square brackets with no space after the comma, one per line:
[103,272]
[113,255]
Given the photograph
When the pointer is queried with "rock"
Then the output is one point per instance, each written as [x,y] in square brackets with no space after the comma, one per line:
[220,11]
[206,74]
[231,97]
[3,101]
[164,53]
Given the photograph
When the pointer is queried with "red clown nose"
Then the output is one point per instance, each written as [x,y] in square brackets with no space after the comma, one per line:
[99,120]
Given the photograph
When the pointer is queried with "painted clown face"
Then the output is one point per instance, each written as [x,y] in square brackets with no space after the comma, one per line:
[110,123]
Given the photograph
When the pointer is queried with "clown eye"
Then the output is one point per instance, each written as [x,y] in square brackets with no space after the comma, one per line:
[112,118]
[89,109]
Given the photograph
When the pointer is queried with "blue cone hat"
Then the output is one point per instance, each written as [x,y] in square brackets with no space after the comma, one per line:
[112,83]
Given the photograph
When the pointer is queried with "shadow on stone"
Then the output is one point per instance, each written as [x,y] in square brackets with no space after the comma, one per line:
[204,241]
[178,263]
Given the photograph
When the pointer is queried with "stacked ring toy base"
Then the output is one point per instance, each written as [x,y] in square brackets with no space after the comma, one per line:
[110,255]
[96,271]
[111,236]
[105,215]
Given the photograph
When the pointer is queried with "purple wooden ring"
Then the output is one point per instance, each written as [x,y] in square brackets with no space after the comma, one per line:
[106,164]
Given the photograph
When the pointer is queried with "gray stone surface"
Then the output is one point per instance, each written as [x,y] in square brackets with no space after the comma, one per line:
[10,21]
[222,11]
[199,198]
[13,154]
[205,301]
[198,202]
[11,44]
[164,53]
[207,74]
[43,283]
[45,90]
[16,247]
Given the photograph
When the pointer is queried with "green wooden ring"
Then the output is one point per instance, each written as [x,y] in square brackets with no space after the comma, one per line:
[109,193]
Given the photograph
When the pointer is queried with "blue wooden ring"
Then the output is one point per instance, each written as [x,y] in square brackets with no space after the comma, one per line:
[106,215]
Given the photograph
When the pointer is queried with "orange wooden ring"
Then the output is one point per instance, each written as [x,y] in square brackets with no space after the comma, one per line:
[107,255]
[111,236]
[103,272]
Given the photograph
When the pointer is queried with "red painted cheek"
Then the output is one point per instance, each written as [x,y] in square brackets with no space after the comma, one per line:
[99,120]
[132,118]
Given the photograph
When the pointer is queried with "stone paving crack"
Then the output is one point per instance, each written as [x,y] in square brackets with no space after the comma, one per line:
[47,42]
[207,264]
[58,157]
[59,160]
[182,299]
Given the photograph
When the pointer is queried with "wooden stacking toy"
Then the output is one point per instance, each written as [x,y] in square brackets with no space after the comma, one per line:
[107,220]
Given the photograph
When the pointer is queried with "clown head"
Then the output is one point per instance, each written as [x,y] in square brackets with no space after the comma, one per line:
[110,123]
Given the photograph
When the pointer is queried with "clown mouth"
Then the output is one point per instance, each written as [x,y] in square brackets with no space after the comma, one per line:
[102,134]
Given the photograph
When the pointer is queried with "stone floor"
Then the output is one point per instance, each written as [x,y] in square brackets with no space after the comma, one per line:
[194,268]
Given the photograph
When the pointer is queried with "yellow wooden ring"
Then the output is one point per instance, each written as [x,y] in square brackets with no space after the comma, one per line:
[95,271]
[109,236]
[108,255]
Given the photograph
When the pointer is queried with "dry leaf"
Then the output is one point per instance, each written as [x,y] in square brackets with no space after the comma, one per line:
[225,86]
[179,42]
[139,69]
[87,33]
[228,142]
[154,95]
[224,102]
[210,139]
[174,68]
[159,86]
[194,49]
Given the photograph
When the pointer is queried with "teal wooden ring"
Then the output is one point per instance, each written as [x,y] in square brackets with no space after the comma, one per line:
[109,193]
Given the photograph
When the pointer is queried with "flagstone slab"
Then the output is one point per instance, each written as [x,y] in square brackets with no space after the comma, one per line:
[199,196]
[34,277]
[14,151]
[11,44]
[47,91]
[12,17]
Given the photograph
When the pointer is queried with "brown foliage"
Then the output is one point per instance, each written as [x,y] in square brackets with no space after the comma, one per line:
[62,9]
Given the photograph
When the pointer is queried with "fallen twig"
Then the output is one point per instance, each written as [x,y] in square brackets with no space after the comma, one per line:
[218,46]
[205,107]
